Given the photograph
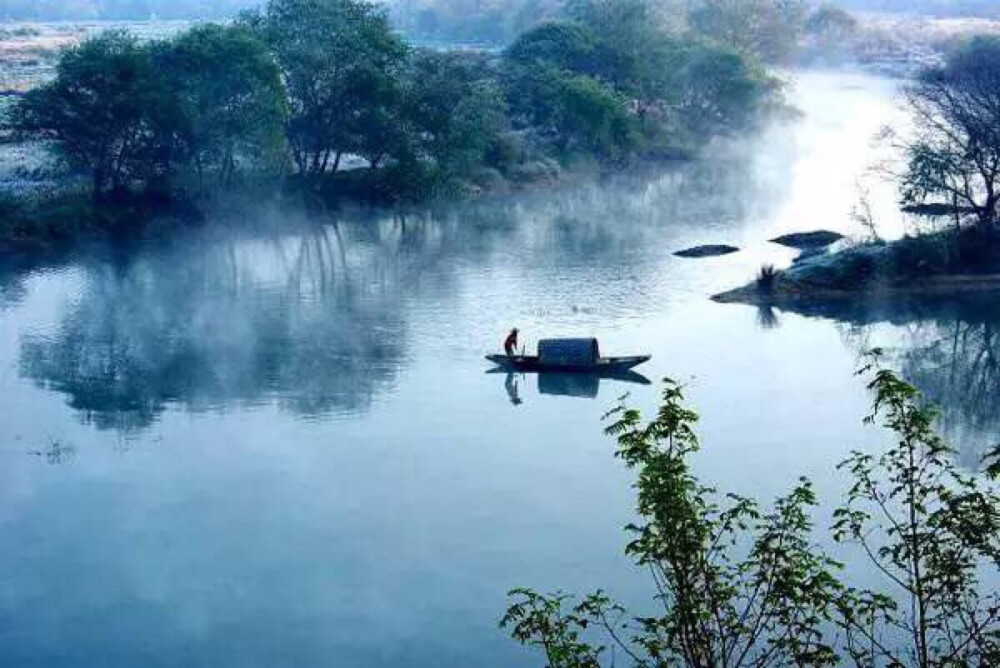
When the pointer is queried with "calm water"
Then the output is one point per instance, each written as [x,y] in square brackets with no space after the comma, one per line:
[279,447]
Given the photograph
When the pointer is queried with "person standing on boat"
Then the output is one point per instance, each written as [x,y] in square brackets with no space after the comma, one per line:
[510,343]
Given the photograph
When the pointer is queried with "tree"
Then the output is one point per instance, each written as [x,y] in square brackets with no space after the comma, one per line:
[718,90]
[954,150]
[575,112]
[455,108]
[230,96]
[564,44]
[932,532]
[634,51]
[768,29]
[830,22]
[105,111]
[341,63]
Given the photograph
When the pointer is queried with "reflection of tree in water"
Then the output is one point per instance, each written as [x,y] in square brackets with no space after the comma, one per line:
[956,364]
[313,322]
[949,349]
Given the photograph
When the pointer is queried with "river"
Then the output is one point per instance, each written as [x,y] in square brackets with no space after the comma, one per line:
[272,442]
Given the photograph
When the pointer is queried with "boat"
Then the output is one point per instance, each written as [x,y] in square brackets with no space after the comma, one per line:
[569,355]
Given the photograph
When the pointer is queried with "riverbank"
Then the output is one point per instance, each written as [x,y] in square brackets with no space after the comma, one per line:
[41,222]
[931,265]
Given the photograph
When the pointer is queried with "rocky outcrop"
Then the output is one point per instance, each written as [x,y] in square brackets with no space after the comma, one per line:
[709,250]
[809,240]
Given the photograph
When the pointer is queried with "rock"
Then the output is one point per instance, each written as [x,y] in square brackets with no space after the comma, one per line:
[710,250]
[808,240]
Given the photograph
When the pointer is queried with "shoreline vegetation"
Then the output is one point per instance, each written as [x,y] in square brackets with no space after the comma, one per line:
[323,101]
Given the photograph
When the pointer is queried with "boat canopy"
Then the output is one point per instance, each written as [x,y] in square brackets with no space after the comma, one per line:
[568,352]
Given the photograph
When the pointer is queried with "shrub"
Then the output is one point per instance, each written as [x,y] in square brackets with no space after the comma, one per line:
[767,277]
[739,586]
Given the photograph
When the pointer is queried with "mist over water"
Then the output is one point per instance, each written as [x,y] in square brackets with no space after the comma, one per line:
[279,445]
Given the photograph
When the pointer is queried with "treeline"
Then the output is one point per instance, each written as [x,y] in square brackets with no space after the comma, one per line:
[772,30]
[326,93]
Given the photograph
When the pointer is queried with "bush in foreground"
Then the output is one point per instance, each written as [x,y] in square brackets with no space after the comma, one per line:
[741,585]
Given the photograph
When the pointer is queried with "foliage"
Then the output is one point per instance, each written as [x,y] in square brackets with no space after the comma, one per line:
[481,21]
[737,585]
[311,84]
[107,112]
[769,29]
[230,98]
[133,114]
[954,152]
[831,21]
[564,44]
[634,50]
[456,107]
[341,63]
[928,529]
[612,80]
[719,91]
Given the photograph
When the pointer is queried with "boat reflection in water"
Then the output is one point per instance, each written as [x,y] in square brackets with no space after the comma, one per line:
[553,383]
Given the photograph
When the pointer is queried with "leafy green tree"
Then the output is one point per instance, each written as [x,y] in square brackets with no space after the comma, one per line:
[954,151]
[717,90]
[341,63]
[720,604]
[230,97]
[614,79]
[634,49]
[573,112]
[932,532]
[455,107]
[564,44]
[106,112]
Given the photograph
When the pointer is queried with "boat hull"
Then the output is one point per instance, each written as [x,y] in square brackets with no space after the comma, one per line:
[604,365]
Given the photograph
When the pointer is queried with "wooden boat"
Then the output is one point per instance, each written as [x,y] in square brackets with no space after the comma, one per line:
[570,355]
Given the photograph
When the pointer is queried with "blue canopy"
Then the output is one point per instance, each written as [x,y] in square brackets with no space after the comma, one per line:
[568,352]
